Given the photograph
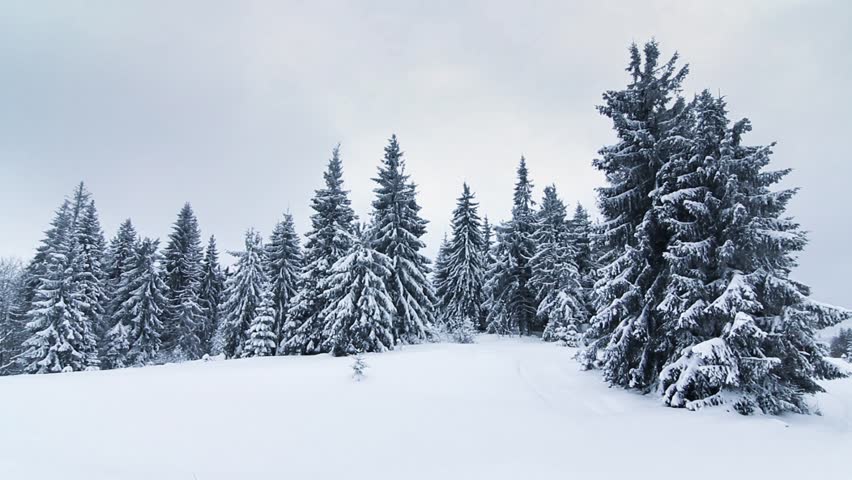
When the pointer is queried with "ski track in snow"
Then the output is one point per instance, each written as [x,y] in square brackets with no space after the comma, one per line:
[498,409]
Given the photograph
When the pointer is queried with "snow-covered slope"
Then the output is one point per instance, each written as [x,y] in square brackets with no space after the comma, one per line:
[499,409]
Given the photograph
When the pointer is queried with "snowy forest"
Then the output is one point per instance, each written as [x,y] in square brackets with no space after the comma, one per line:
[678,283]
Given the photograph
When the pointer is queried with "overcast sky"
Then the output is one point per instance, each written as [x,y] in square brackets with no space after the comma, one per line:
[235,106]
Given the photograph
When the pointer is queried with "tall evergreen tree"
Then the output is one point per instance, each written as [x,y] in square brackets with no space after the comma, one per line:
[331,236]
[183,319]
[696,301]
[555,277]
[210,294]
[261,340]
[38,266]
[647,117]
[737,328]
[283,267]
[439,279]
[60,337]
[135,337]
[359,310]
[243,295]
[120,258]
[88,255]
[512,304]
[462,299]
[487,244]
[396,231]
[580,237]
[12,332]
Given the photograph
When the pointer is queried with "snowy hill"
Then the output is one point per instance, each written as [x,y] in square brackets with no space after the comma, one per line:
[499,409]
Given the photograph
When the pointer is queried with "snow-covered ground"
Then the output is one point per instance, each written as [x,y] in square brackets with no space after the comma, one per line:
[499,409]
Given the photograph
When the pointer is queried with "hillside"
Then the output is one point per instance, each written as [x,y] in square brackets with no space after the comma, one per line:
[499,409]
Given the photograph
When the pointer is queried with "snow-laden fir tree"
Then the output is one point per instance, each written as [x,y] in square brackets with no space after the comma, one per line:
[210,294]
[738,329]
[396,231]
[440,273]
[511,304]
[487,244]
[580,237]
[462,297]
[261,340]
[11,324]
[555,276]
[840,345]
[359,310]
[243,295]
[283,267]
[623,339]
[331,236]
[135,340]
[38,266]
[183,319]
[120,258]
[60,338]
[88,255]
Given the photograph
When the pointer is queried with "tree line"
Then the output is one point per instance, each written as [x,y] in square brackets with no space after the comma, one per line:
[682,288]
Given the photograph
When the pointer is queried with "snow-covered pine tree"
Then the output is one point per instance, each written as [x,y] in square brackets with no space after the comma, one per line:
[88,255]
[261,340]
[283,267]
[463,299]
[487,244]
[512,305]
[120,258]
[396,231]
[135,338]
[839,345]
[555,277]
[580,237]
[210,294]
[183,319]
[331,236]
[739,330]
[243,295]
[623,339]
[38,266]
[439,281]
[359,310]
[12,332]
[60,338]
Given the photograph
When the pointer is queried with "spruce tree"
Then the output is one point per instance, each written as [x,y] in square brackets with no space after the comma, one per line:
[487,244]
[580,238]
[183,319]
[210,294]
[243,295]
[359,310]
[646,116]
[283,267]
[462,299]
[511,304]
[136,338]
[60,337]
[396,231]
[740,330]
[120,258]
[331,236]
[439,280]
[88,255]
[261,340]
[11,325]
[555,276]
